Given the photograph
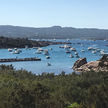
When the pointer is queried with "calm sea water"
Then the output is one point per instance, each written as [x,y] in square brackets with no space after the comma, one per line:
[60,61]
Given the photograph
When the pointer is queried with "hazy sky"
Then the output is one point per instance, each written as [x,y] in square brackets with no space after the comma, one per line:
[45,13]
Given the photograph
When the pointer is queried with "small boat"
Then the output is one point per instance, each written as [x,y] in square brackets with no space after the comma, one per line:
[61,46]
[48,64]
[46,52]
[47,57]
[72,49]
[82,50]
[10,50]
[16,52]
[76,53]
[40,49]
[19,50]
[102,52]
[90,48]
[38,52]
[15,48]
[67,46]
[67,51]
[71,56]
[94,52]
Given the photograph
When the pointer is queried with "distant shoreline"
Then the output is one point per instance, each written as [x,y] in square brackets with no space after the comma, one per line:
[6,42]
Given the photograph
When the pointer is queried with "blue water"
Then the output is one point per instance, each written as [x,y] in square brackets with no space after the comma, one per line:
[60,61]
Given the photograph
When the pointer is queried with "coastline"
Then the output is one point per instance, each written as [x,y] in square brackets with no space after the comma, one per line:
[6,42]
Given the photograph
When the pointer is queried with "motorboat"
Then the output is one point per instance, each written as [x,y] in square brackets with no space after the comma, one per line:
[47,57]
[67,51]
[90,48]
[94,52]
[10,50]
[67,46]
[46,52]
[40,49]
[16,52]
[38,52]
[15,48]
[72,49]
[71,56]
[102,52]
[76,53]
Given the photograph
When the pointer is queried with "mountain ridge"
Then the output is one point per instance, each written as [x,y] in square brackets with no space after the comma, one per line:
[53,32]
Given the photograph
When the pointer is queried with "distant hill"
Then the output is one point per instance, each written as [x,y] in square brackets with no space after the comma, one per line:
[53,32]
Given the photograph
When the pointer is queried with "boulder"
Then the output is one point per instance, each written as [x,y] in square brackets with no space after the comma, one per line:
[79,63]
[93,65]
[104,58]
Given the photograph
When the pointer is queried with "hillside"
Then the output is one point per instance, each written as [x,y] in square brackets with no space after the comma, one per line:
[23,89]
[53,32]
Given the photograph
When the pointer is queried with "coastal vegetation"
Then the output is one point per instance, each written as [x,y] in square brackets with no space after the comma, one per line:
[6,42]
[22,89]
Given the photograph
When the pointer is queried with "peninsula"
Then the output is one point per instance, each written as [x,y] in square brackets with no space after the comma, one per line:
[6,42]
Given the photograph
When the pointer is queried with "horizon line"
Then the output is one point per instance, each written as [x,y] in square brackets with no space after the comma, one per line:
[54,26]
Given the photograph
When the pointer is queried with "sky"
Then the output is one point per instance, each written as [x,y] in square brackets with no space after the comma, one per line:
[46,13]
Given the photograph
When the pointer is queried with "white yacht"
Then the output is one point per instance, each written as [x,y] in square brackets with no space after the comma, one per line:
[90,48]
[67,46]
[94,52]
[72,49]
[47,57]
[102,52]
[10,50]
[76,53]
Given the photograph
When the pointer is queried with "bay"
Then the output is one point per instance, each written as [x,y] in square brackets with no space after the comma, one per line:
[60,60]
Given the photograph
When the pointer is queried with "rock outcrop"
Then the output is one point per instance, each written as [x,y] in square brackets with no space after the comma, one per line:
[99,65]
[79,63]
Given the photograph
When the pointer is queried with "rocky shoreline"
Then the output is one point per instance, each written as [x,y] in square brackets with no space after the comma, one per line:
[82,65]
